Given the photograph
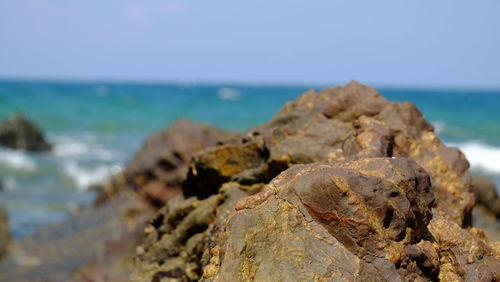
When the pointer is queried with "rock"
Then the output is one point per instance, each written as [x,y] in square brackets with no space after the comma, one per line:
[175,240]
[464,254]
[486,213]
[343,123]
[487,222]
[364,220]
[160,166]
[236,160]
[355,220]
[360,209]
[486,194]
[96,244]
[5,238]
[21,134]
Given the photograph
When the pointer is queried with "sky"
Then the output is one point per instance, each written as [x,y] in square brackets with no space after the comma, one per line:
[448,43]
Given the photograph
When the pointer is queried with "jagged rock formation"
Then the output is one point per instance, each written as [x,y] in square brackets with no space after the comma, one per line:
[354,213]
[343,123]
[21,134]
[364,220]
[160,166]
[98,243]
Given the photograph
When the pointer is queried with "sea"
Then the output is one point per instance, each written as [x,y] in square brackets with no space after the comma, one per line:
[96,127]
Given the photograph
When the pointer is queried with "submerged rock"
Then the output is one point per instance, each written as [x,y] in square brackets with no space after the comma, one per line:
[486,194]
[374,202]
[5,237]
[21,134]
[486,213]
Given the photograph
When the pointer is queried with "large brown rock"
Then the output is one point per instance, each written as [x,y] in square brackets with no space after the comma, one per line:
[160,166]
[364,220]
[342,123]
[352,221]
[20,133]
[361,210]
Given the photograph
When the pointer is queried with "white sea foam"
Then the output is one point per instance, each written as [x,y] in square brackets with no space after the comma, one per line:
[16,159]
[481,156]
[86,177]
[68,147]
[228,94]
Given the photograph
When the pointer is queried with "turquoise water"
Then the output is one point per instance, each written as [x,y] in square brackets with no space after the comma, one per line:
[96,127]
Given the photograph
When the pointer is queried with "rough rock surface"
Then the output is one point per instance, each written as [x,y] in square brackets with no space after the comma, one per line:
[175,240]
[20,133]
[4,233]
[160,166]
[97,244]
[464,254]
[354,213]
[362,220]
[342,123]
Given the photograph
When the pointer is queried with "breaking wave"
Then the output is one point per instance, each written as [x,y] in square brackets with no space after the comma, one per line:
[17,159]
[84,178]
[87,146]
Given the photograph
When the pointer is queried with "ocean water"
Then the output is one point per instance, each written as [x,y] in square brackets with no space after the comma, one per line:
[97,127]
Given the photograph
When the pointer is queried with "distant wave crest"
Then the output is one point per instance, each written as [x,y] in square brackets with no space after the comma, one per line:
[226,93]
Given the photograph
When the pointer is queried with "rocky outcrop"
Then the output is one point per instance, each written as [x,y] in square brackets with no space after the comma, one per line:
[175,240]
[161,165]
[5,239]
[343,123]
[375,200]
[364,220]
[21,134]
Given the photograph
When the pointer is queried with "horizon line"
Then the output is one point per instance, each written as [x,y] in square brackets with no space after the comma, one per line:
[239,83]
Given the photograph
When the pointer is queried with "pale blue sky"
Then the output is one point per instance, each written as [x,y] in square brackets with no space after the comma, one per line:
[398,43]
